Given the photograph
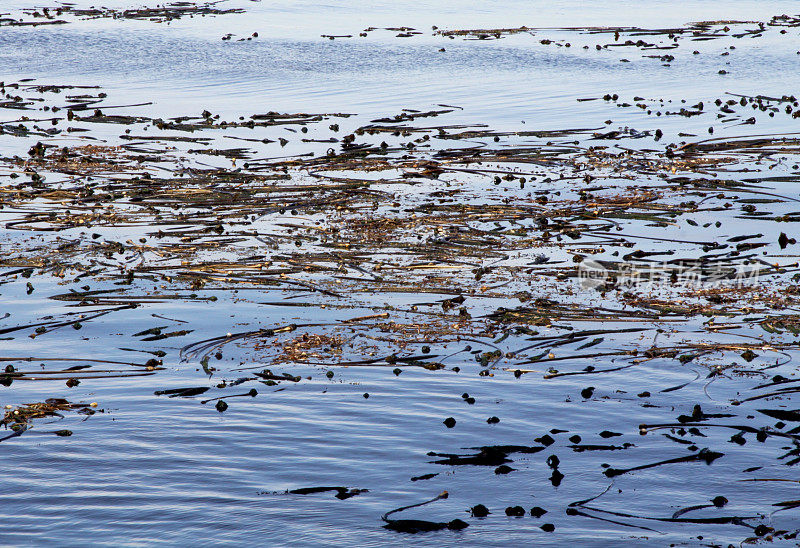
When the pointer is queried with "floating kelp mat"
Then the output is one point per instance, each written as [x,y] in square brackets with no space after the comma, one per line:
[630,293]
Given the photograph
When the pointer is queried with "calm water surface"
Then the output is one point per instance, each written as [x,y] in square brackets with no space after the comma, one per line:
[156,470]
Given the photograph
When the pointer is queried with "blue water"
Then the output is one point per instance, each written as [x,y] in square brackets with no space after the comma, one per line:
[148,469]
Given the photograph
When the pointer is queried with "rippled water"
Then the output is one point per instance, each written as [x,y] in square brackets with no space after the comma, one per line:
[155,470]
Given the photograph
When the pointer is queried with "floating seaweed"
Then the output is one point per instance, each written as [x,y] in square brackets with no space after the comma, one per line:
[20,419]
[417,244]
